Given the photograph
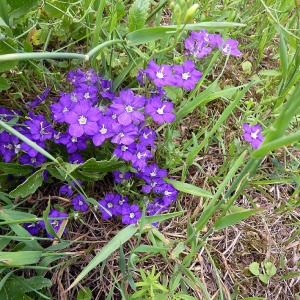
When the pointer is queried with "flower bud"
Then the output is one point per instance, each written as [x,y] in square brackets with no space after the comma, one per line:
[191,13]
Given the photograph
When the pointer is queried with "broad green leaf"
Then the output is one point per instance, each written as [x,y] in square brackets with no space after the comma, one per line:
[122,236]
[138,13]
[4,84]
[29,186]
[15,169]
[264,278]
[20,7]
[104,166]
[4,17]
[15,214]
[7,46]
[16,287]
[189,189]
[254,268]
[39,36]
[232,219]
[270,268]
[20,258]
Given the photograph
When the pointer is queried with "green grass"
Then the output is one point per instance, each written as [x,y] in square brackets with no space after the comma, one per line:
[234,201]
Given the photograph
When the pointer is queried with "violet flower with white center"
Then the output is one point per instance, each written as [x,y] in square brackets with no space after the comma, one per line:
[161,75]
[40,129]
[55,223]
[153,171]
[160,111]
[75,158]
[139,159]
[79,203]
[106,91]
[120,176]
[253,135]
[73,143]
[126,108]
[186,75]
[169,194]
[59,109]
[125,151]
[67,188]
[8,145]
[34,161]
[122,202]
[108,206]
[76,76]
[32,228]
[105,130]
[6,115]
[230,47]
[147,137]
[87,92]
[131,214]
[83,119]
[124,134]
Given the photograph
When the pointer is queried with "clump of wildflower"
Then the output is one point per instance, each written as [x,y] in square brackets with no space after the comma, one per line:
[253,135]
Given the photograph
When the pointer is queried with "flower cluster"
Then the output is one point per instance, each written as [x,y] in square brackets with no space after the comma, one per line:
[201,43]
[92,115]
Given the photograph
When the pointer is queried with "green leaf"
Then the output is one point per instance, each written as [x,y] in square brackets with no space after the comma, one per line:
[15,169]
[122,236]
[150,249]
[16,259]
[29,186]
[20,7]
[138,13]
[4,84]
[264,278]
[104,166]
[254,268]
[270,268]
[85,294]
[189,189]
[232,219]
[7,46]
[160,218]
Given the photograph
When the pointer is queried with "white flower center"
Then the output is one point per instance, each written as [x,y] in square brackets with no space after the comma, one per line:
[129,109]
[80,202]
[254,134]
[87,95]
[186,75]
[65,109]
[160,73]
[82,120]
[74,139]
[153,173]
[103,130]
[109,205]
[33,160]
[226,49]
[131,215]
[124,148]
[167,193]
[160,111]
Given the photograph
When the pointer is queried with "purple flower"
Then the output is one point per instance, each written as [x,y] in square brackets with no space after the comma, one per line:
[79,203]
[120,176]
[109,206]
[147,137]
[230,47]
[55,223]
[126,108]
[67,188]
[253,134]
[105,130]
[6,115]
[30,150]
[73,143]
[83,119]
[8,145]
[139,159]
[131,214]
[124,134]
[40,99]
[32,228]
[186,75]
[59,109]
[87,92]
[161,75]
[34,161]
[40,129]
[125,151]
[106,91]
[160,111]
[76,158]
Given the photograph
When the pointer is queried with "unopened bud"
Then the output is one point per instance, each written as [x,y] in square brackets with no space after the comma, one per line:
[191,13]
